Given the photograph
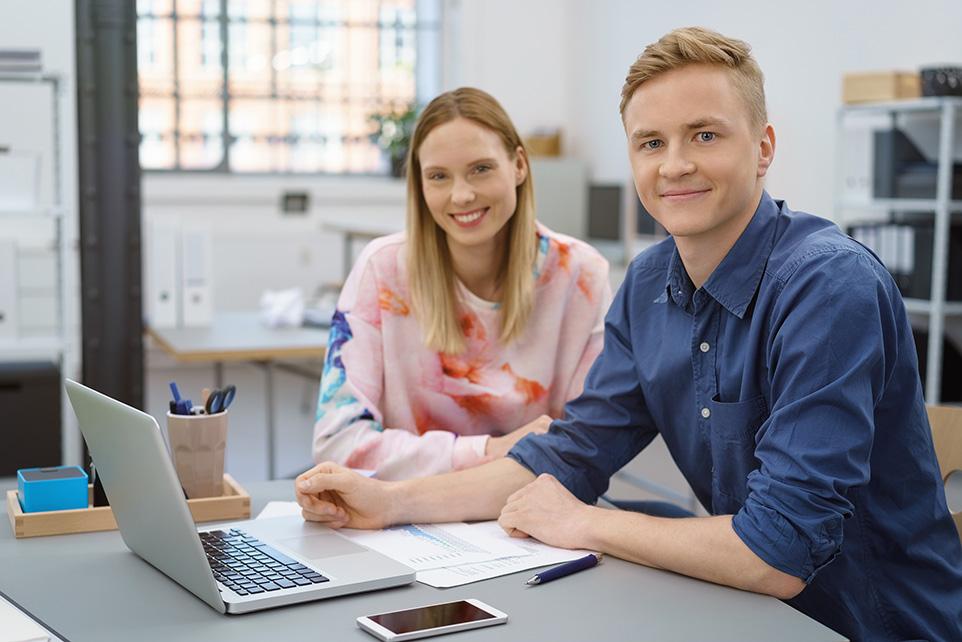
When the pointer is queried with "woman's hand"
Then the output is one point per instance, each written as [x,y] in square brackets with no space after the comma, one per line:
[338,497]
[499,446]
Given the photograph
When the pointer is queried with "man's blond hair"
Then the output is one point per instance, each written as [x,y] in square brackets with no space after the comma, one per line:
[432,280]
[698,45]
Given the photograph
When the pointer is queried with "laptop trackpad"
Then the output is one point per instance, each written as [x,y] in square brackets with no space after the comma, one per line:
[315,547]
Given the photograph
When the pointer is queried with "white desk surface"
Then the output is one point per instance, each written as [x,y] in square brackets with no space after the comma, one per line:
[369,228]
[90,588]
[239,336]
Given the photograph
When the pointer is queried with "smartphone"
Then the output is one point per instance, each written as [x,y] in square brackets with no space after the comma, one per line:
[434,619]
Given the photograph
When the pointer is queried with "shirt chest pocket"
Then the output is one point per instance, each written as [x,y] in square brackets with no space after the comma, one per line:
[732,435]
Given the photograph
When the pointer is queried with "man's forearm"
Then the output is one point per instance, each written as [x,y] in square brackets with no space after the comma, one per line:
[466,495]
[702,547]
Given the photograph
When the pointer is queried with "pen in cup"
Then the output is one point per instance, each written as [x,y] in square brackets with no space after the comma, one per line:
[179,406]
[565,569]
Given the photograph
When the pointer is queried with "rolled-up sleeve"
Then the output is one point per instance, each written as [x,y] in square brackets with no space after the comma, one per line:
[827,372]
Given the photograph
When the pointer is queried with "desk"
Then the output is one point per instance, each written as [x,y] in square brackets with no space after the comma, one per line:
[359,229]
[241,336]
[82,586]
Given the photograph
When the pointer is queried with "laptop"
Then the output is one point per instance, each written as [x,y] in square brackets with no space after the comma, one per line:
[308,561]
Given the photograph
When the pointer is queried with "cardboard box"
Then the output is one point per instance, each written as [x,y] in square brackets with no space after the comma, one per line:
[546,143]
[880,86]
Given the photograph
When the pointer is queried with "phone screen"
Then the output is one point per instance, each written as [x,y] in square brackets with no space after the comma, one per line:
[431,617]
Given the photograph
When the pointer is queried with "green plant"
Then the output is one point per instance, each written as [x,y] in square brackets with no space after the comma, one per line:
[393,133]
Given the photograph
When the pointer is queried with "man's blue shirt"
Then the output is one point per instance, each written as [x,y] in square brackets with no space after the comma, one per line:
[787,391]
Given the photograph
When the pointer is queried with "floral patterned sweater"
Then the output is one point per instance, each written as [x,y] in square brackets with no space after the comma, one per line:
[390,404]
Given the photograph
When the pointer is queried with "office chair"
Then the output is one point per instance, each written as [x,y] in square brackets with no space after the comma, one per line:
[946,425]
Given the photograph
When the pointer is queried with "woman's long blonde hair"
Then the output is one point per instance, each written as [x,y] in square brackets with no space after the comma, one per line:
[432,279]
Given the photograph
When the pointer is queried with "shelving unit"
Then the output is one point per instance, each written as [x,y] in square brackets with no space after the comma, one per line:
[38,230]
[857,205]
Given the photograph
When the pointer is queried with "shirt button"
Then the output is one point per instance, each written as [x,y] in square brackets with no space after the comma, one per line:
[706,413]
[704,346]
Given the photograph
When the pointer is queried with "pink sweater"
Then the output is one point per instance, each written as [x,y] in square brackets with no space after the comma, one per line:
[391,404]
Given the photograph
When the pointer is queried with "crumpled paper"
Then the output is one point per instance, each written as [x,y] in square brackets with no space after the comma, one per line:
[282,308]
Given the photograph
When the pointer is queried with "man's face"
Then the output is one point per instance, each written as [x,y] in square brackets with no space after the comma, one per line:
[697,161]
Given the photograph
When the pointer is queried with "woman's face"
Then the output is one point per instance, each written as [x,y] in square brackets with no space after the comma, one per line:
[469,181]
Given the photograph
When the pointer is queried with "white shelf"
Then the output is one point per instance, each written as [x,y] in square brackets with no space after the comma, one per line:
[40,212]
[23,224]
[852,211]
[916,105]
[30,347]
[904,205]
[924,306]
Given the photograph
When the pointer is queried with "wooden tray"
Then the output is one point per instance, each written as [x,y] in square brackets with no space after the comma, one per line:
[235,503]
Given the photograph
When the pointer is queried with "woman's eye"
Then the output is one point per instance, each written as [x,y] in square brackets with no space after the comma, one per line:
[480,169]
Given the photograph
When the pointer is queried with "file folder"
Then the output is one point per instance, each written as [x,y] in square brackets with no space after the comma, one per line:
[163,274]
[9,312]
[196,267]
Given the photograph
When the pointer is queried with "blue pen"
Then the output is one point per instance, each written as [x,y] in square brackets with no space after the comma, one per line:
[180,406]
[565,569]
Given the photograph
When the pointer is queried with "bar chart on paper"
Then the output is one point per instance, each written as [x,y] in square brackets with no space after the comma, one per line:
[428,546]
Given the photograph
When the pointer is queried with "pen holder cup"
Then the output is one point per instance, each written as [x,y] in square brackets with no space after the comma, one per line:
[197,444]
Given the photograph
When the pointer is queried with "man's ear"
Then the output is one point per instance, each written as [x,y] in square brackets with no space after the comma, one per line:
[766,150]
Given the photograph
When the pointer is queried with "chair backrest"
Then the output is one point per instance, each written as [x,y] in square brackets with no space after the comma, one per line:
[946,425]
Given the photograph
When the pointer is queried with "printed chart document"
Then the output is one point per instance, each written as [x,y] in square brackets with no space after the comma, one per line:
[446,555]
[431,546]
[538,554]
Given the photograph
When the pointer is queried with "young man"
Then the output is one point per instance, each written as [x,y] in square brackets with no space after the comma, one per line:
[775,357]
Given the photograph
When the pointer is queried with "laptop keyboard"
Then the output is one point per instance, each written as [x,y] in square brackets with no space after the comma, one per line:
[248,566]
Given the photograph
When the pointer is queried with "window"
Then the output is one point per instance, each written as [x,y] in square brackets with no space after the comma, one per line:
[279,86]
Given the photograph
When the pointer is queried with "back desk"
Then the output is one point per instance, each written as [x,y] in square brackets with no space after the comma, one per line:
[90,588]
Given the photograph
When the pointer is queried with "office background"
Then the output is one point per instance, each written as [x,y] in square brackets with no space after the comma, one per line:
[552,63]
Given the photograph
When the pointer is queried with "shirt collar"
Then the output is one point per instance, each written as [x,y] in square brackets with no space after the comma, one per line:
[734,282]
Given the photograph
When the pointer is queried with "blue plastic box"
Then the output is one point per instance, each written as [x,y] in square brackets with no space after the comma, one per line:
[52,488]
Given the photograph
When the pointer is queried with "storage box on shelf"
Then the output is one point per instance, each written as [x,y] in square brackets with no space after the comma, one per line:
[872,86]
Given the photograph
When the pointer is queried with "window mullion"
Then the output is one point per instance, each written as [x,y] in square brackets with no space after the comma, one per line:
[224,164]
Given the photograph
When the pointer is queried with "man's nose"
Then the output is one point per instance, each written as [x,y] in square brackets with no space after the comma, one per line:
[677,162]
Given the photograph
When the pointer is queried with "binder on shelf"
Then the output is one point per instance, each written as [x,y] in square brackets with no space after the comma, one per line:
[9,313]
[19,180]
[163,273]
[196,279]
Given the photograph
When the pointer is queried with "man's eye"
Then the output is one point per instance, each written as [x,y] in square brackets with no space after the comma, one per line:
[706,136]
[652,144]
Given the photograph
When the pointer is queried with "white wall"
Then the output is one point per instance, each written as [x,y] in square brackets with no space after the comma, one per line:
[564,63]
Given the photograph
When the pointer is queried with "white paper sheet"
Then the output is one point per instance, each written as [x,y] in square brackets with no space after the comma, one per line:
[454,570]
[17,626]
[429,546]
[539,554]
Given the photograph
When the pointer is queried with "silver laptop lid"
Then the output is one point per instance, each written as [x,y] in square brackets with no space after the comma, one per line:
[145,494]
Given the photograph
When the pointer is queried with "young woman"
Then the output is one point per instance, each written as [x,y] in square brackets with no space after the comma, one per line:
[454,339]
